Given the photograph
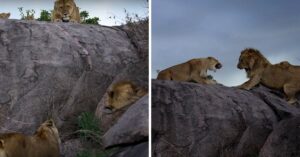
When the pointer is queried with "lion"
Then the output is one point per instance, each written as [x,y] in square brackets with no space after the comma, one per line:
[45,142]
[65,11]
[122,94]
[4,15]
[194,70]
[278,76]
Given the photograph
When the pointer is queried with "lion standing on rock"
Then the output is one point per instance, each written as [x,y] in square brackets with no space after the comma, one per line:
[44,143]
[65,11]
[278,76]
[194,70]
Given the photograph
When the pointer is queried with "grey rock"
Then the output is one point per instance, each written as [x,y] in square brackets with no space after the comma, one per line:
[131,128]
[139,150]
[193,120]
[71,148]
[57,70]
[284,141]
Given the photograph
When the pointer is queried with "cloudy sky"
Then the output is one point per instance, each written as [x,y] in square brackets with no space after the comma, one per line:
[222,28]
[96,8]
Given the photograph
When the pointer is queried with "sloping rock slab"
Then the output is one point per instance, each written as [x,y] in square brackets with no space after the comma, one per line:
[284,141]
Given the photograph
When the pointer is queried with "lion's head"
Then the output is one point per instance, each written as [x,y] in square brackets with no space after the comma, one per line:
[213,64]
[4,15]
[48,130]
[122,94]
[251,59]
[66,7]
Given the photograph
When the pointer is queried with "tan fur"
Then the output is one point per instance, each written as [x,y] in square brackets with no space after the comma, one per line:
[278,76]
[124,93]
[65,9]
[44,143]
[194,70]
[4,15]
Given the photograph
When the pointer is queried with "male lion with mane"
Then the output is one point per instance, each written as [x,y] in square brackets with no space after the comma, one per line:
[194,70]
[65,11]
[44,143]
[278,76]
[124,93]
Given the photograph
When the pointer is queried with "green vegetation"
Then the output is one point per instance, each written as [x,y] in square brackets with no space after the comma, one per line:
[45,15]
[84,16]
[29,14]
[90,132]
[89,127]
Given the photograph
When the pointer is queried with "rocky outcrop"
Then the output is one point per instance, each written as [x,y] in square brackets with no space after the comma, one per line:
[58,70]
[132,127]
[193,120]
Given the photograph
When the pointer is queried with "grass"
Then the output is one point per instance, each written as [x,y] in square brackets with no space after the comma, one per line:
[89,129]
[90,132]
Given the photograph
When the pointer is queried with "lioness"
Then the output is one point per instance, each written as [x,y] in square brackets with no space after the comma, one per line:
[44,143]
[124,93]
[4,15]
[194,70]
[65,11]
[279,76]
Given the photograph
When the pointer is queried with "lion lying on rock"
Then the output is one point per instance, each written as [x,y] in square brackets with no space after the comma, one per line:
[65,11]
[4,15]
[124,93]
[194,70]
[44,143]
[278,76]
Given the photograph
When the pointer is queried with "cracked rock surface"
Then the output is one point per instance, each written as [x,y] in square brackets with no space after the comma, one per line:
[58,70]
[193,120]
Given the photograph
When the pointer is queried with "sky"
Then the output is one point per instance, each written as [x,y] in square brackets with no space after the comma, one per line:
[182,30]
[96,8]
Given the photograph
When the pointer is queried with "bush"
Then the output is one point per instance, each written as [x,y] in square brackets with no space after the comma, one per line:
[45,16]
[84,16]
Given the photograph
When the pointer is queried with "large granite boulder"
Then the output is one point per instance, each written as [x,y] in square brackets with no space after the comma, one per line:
[58,70]
[193,120]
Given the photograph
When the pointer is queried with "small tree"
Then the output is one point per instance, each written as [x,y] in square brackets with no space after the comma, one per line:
[45,16]
[83,15]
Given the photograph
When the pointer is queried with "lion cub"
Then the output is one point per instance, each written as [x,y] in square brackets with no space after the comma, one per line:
[194,70]
[278,76]
[124,93]
[4,15]
[65,11]
[44,143]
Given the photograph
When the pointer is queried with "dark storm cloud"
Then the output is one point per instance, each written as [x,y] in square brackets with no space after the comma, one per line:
[200,28]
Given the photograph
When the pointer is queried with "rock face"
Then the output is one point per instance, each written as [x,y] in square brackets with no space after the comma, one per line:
[58,70]
[132,127]
[193,120]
